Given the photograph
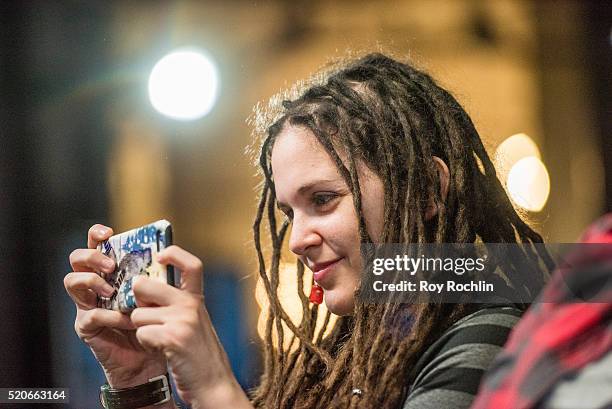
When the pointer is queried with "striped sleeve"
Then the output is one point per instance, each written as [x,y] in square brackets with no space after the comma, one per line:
[450,371]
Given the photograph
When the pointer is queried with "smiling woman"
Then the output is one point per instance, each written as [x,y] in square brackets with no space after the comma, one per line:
[374,151]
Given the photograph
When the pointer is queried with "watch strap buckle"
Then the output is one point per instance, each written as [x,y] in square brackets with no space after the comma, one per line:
[165,388]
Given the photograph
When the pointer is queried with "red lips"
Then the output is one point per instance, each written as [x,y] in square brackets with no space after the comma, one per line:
[320,266]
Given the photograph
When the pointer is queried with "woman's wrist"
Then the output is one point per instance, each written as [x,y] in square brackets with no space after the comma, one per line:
[139,372]
[120,382]
[128,379]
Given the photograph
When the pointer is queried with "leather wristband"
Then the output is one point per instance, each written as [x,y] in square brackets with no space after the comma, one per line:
[154,392]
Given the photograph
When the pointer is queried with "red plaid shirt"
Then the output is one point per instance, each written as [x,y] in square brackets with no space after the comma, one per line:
[558,337]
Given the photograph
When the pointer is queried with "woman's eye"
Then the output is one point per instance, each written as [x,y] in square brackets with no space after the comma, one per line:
[322,199]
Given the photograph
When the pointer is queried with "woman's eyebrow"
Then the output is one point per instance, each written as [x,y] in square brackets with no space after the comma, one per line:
[305,188]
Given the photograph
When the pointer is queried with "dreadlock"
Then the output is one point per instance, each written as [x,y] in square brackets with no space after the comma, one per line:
[388,115]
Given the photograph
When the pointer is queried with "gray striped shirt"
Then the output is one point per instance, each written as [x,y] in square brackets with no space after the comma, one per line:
[450,370]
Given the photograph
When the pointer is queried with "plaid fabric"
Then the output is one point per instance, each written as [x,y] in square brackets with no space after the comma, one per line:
[558,337]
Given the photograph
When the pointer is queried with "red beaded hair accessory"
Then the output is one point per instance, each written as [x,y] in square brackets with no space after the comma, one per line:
[316,294]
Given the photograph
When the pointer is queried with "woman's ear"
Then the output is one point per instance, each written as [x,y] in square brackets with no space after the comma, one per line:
[444,176]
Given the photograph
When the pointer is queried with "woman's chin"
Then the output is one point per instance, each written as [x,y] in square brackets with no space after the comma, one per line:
[338,303]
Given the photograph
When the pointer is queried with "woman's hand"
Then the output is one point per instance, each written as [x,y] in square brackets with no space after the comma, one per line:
[174,321]
[110,334]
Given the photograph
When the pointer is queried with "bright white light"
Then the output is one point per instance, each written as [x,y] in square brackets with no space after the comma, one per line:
[529,184]
[183,85]
[511,150]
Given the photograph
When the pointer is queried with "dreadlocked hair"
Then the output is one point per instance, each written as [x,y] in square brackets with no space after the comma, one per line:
[394,118]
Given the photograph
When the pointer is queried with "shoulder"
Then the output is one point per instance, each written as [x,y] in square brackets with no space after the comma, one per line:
[450,370]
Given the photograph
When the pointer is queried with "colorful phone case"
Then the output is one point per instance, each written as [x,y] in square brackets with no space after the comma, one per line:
[134,254]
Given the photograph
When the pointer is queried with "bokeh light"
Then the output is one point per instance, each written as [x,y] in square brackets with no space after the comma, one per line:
[528,183]
[520,168]
[511,150]
[183,85]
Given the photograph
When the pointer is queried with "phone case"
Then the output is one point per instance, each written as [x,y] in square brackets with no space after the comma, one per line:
[134,254]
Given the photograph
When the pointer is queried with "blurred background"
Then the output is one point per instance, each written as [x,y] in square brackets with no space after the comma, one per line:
[89,135]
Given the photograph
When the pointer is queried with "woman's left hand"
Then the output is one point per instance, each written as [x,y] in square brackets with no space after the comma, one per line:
[175,322]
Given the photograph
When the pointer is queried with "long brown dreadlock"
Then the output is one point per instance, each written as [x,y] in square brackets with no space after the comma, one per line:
[394,118]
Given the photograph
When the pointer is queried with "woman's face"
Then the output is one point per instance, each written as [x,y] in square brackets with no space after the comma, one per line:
[325,228]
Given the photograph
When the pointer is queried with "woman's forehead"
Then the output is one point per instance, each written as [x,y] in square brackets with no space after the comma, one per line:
[297,153]
[299,159]
[298,146]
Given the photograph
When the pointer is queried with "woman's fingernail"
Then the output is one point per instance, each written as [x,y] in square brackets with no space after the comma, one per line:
[108,263]
[102,231]
[108,290]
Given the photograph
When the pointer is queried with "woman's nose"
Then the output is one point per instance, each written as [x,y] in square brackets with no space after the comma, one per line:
[303,235]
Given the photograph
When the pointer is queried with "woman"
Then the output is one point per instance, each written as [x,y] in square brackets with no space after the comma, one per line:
[374,152]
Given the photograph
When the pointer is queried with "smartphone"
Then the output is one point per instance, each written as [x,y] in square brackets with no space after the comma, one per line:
[134,254]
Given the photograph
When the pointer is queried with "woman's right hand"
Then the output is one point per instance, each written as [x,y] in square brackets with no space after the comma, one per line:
[110,334]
